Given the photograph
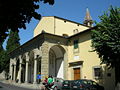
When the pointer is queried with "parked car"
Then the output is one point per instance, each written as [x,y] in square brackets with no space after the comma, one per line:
[66,85]
[84,84]
[94,85]
[79,85]
[57,83]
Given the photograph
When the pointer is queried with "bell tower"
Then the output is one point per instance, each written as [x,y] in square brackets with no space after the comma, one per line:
[88,20]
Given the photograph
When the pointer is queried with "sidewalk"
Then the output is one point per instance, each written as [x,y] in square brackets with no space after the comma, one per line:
[30,86]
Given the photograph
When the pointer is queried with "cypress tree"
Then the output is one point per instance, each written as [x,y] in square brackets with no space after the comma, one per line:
[2,58]
[12,44]
[13,41]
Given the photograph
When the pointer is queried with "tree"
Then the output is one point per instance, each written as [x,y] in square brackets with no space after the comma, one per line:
[2,58]
[106,39]
[14,14]
[13,41]
[12,44]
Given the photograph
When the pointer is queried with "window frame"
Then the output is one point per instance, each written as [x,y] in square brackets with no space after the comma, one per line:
[97,76]
[75,43]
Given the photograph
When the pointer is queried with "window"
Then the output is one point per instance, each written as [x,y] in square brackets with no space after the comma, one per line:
[65,35]
[97,72]
[75,44]
[75,31]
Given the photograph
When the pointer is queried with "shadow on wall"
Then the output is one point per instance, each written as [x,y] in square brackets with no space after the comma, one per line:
[108,78]
[59,65]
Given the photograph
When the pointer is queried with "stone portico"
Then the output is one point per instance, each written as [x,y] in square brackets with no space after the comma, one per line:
[45,53]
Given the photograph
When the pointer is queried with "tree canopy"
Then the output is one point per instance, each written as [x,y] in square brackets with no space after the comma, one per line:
[12,44]
[16,13]
[13,41]
[106,39]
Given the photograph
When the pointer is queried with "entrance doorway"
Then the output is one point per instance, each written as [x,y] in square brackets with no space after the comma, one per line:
[76,73]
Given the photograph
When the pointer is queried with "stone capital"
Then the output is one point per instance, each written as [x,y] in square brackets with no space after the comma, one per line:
[14,64]
[20,57]
[27,61]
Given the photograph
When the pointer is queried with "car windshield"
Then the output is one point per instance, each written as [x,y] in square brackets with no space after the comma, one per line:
[92,83]
[85,82]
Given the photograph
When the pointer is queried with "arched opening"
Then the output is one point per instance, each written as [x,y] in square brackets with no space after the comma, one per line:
[56,61]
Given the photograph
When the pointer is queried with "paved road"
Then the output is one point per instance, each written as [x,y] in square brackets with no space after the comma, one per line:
[12,87]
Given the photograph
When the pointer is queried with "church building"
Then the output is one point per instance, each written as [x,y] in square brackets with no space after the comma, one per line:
[61,48]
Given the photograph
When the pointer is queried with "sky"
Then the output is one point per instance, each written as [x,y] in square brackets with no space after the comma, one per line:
[73,10]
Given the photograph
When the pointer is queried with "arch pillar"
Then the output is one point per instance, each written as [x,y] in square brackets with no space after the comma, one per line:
[44,60]
[36,55]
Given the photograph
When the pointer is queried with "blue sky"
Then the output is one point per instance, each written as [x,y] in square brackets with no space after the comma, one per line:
[69,9]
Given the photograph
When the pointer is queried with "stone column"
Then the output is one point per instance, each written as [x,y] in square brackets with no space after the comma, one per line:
[26,72]
[35,69]
[12,72]
[11,68]
[14,78]
[20,69]
[44,60]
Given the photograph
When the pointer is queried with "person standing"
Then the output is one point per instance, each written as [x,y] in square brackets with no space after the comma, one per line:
[50,81]
[39,77]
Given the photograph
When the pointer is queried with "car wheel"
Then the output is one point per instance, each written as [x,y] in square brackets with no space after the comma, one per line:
[55,88]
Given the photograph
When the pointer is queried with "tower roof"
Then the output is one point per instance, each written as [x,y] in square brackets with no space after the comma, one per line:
[87,17]
[88,20]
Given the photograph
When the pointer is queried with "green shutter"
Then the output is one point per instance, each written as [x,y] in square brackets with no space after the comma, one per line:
[75,44]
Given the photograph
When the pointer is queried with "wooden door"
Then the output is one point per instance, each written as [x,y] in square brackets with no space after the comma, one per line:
[76,73]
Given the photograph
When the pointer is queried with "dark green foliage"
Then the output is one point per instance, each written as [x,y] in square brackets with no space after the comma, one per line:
[2,58]
[12,44]
[106,38]
[13,41]
[14,14]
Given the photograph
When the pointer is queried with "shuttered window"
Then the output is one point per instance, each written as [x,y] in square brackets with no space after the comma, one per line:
[75,44]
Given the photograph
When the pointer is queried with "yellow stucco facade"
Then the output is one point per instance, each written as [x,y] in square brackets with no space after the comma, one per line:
[61,48]
[58,26]
[81,58]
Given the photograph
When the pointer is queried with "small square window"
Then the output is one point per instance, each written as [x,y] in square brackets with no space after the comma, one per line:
[75,31]
[97,72]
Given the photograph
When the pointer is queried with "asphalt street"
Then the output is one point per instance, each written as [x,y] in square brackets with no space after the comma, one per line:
[12,87]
